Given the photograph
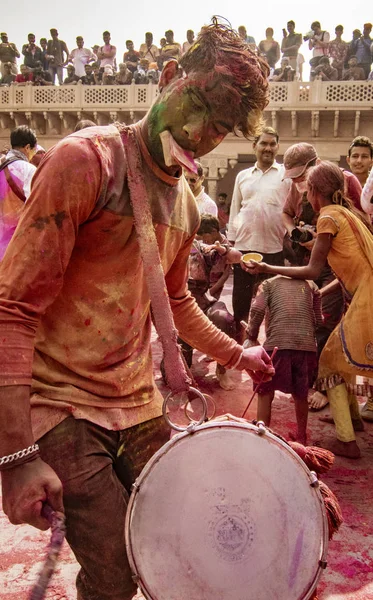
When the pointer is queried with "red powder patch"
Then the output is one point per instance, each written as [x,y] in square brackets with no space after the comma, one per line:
[87,322]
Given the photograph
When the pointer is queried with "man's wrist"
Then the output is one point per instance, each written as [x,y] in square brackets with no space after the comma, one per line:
[20,457]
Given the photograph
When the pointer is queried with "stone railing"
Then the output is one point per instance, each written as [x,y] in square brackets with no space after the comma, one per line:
[295,95]
[87,97]
[322,94]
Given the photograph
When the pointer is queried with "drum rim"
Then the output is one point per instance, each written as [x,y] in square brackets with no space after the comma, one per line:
[213,425]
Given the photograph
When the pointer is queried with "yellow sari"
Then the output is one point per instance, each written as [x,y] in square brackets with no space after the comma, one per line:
[349,349]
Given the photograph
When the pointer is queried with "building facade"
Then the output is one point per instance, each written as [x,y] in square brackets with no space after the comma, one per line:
[326,114]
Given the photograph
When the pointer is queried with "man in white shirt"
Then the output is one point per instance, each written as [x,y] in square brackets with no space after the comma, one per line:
[255,221]
[318,42]
[206,205]
[16,174]
[80,57]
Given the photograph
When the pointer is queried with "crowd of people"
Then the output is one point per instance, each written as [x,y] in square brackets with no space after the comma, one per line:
[272,216]
[332,59]
[75,295]
[269,214]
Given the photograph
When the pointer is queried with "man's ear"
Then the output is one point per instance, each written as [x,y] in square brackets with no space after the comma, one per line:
[348,160]
[168,73]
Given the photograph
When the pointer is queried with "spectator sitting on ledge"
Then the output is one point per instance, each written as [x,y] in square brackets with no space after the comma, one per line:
[71,78]
[353,73]
[153,73]
[41,77]
[284,73]
[124,77]
[324,71]
[24,76]
[88,78]
[140,76]
[8,76]
[97,73]
[108,76]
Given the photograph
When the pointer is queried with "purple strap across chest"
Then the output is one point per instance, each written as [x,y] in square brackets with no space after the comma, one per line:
[176,375]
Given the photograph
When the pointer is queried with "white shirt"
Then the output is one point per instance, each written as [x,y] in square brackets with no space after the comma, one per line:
[206,205]
[255,220]
[21,172]
[81,57]
[186,47]
[317,50]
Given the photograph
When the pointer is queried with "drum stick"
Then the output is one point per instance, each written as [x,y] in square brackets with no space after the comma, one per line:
[57,523]
[258,384]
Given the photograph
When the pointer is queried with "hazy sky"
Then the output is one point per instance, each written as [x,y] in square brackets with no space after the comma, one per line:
[130,20]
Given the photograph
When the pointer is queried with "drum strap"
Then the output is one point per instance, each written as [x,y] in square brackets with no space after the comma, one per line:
[176,375]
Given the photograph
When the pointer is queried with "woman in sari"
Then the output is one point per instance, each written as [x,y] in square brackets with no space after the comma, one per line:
[344,238]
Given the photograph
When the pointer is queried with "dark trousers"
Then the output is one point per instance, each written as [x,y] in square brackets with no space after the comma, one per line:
[97,468]
[332,307]
[245,285]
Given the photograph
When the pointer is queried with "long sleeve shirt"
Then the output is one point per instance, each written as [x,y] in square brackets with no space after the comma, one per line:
[74,305]
[258,199]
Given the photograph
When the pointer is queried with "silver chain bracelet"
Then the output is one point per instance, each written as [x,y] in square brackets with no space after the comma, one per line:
[20,454]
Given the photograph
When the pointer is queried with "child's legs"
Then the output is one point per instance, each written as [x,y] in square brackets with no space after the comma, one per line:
[301,413]
[264,407]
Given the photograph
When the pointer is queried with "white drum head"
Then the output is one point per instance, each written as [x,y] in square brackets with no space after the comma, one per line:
[226,514]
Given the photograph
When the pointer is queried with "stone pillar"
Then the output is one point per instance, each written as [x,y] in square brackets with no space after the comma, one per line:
[214,168]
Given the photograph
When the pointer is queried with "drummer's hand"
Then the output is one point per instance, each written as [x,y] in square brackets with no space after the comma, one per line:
[25,488]
[254,267]
[257,363]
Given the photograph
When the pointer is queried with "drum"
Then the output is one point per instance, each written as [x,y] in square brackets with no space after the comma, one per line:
[226,511]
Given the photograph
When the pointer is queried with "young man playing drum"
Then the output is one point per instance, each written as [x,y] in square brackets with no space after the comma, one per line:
[75,313]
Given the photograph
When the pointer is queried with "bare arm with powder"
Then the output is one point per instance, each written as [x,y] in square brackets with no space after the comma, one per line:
[318,259]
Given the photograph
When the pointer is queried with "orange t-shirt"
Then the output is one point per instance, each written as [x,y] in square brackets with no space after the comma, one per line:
[72,285]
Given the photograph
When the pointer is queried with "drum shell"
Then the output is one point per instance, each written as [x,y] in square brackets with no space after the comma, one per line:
[210,517]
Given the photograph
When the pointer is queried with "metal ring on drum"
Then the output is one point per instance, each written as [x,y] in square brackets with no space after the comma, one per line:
[228,512]
[208,417]
[192,424]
